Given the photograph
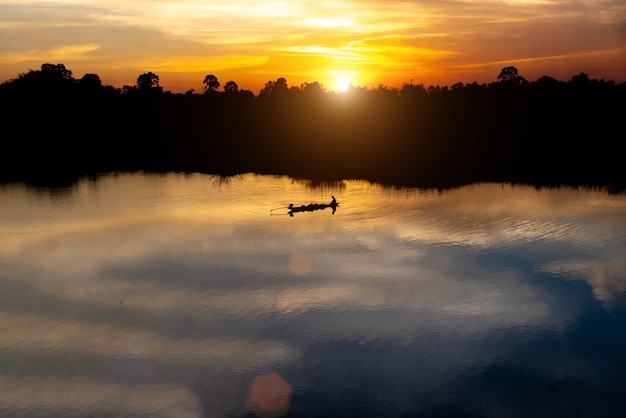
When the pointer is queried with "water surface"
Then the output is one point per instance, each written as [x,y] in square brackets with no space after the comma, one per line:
[190,295]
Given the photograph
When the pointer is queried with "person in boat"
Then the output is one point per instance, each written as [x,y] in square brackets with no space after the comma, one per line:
[333,202]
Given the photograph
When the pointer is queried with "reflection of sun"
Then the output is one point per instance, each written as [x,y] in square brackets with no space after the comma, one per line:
[343,84]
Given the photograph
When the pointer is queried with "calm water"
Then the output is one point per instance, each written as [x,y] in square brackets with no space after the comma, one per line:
[189,296]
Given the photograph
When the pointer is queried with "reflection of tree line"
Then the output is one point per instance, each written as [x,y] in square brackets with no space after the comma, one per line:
[541,132]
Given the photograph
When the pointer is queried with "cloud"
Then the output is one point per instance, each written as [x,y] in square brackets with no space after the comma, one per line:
[59,54]
[432,40]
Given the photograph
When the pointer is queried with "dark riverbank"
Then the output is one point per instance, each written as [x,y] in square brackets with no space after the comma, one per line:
[545,132]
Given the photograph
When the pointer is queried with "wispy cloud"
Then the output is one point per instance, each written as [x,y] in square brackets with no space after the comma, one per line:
[55,54]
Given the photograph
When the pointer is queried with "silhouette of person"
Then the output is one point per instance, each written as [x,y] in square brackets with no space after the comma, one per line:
[334,201]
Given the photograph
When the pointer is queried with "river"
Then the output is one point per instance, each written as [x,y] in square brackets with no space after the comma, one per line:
[176,295]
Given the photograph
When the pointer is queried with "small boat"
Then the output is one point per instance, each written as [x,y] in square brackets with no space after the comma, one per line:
[313,207]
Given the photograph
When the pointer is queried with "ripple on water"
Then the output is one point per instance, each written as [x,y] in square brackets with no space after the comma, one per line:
[157,293]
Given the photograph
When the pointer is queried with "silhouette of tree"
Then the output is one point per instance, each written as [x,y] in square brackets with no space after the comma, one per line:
[546,82]
[547,86]
[126,89]
[90,81]
[231,87]
[475,87]
[274,88]
[148,81]
[56,70]
[500,131]
[312,88]
[437,89]
[510,75]
[580,80]
[267,89]
[211,84]
[280,86]
[51,79]
[412,90]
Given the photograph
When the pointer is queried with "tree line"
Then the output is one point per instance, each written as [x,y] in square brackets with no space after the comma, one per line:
[543,132]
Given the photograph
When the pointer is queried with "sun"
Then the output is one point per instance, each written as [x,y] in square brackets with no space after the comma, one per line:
[343,80]
[343,84]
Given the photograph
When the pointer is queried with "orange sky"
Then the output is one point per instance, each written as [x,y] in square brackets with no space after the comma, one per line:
[364,42]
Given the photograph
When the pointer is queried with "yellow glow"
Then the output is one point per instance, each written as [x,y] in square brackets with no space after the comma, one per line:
[343,84]
[338,53]
[343,80]
[201,64]
[329,22]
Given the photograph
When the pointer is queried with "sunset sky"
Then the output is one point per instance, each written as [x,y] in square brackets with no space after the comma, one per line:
[362,42]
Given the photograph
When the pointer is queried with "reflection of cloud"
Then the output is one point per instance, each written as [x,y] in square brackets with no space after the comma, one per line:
[605,276]
[292,301]
[193,240]
[33,396]
[300,263]
[474,301]
[28,332]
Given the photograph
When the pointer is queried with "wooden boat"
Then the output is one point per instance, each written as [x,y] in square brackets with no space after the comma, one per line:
[313,207]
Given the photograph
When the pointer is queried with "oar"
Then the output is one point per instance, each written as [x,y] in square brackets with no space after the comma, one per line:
[280,207]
